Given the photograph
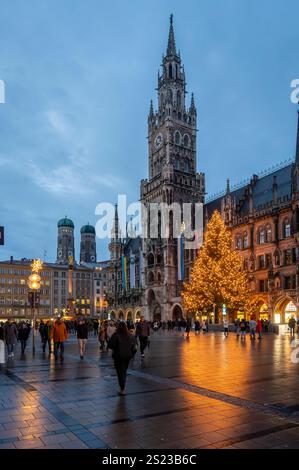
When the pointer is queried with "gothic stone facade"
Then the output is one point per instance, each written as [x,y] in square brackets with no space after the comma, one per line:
[264,220]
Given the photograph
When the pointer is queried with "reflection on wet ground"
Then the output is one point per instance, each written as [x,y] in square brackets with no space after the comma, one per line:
[205,392]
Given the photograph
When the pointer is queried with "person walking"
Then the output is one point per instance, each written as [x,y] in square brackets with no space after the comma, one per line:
[204,327]
[23,335]
[59,336]
[237,327]
[45,334]
[123,346]
[143,333]
[102,336]
[82,335]
[259,328]
[225,326]
[11,337]
[243,327]
[252,327]
[292,324]
[111,329]
[2,345]
[197,327]
[188,327]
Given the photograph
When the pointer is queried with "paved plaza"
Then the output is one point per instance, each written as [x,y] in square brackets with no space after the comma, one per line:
[205,392]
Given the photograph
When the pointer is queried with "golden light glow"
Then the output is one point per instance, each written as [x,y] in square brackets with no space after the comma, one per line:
[36,266]
[217,276]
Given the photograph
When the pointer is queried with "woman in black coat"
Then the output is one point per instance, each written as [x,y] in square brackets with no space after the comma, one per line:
[123,346]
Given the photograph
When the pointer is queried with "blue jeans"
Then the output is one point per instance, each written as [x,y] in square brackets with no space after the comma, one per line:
[9,348]
[57,346]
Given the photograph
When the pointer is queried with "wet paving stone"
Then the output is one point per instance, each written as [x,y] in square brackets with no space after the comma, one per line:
[205,392]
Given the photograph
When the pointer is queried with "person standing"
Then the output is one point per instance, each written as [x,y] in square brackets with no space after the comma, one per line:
[102,336]
[45,334]
[243,329]
[292,324]
[204,327]
[2,345]
[123,346]
[259,328]
[252,326]
[23,335]
[197,327]
[82,335]
[11,337]
[59,336]
[188,327]
[237,326]
[143,333]
[225,326]
[111,329]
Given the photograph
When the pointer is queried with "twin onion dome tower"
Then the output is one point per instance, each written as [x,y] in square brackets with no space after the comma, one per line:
[66,242]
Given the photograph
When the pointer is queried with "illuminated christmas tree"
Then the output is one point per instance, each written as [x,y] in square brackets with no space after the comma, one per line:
[217,277]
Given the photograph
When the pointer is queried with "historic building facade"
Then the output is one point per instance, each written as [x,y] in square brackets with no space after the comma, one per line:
[172,178]
[263,217]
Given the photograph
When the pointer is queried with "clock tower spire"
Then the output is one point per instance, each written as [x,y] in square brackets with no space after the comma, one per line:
[172,178]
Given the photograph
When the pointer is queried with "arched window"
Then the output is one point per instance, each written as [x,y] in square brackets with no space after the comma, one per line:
[245,240]
[261,236]
[286,229]
[177,163]
[150,259]
[269,234]
[178,98]
[239,242]
[150,277]
[177,137]
[186,140]
[170,71]
[187,166]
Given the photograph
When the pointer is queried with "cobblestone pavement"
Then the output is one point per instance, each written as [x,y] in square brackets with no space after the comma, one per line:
[205,392]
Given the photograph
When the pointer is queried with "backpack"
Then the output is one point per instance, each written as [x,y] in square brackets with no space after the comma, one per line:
[126,348]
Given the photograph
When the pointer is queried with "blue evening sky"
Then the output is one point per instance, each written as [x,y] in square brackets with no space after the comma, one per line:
[79,77]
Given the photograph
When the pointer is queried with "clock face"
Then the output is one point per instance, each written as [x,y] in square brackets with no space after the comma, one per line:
[158,140]
[92,258]
[70,253]
[59,254]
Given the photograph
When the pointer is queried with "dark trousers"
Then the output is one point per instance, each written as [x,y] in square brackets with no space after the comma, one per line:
[9,348]
[121,366]
[44,342]
[143,343]
[57,346]
[23,345]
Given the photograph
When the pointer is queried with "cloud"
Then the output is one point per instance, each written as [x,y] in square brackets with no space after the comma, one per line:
[70,179]
[58,122]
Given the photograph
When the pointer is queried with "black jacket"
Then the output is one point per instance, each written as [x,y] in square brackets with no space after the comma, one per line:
[82,331]
[123,347]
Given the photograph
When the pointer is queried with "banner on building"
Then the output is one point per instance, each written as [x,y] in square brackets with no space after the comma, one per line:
[180,253]
[1,235]
[140,267]
[124,271]
[132,271]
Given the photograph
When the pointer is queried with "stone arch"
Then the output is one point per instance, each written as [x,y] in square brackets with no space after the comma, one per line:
[129,315]
[154,306]
[121,315]
[284,308]
[150,259]
[177,312]
[137,314]
[112,315]
[150,277]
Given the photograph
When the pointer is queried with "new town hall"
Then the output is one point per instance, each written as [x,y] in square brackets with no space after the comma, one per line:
[263,216]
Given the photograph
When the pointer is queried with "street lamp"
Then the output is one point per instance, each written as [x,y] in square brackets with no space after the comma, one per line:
[34,283]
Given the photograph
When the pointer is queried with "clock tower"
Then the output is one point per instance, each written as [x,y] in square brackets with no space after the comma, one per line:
[172,179]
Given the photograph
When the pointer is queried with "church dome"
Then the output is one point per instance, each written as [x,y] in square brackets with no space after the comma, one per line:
[65,222]
[88,229]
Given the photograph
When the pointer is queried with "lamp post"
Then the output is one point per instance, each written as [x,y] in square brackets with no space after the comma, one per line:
[34,282]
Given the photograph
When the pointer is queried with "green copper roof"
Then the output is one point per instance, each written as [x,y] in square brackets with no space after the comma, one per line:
[88,229]
[65,222]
